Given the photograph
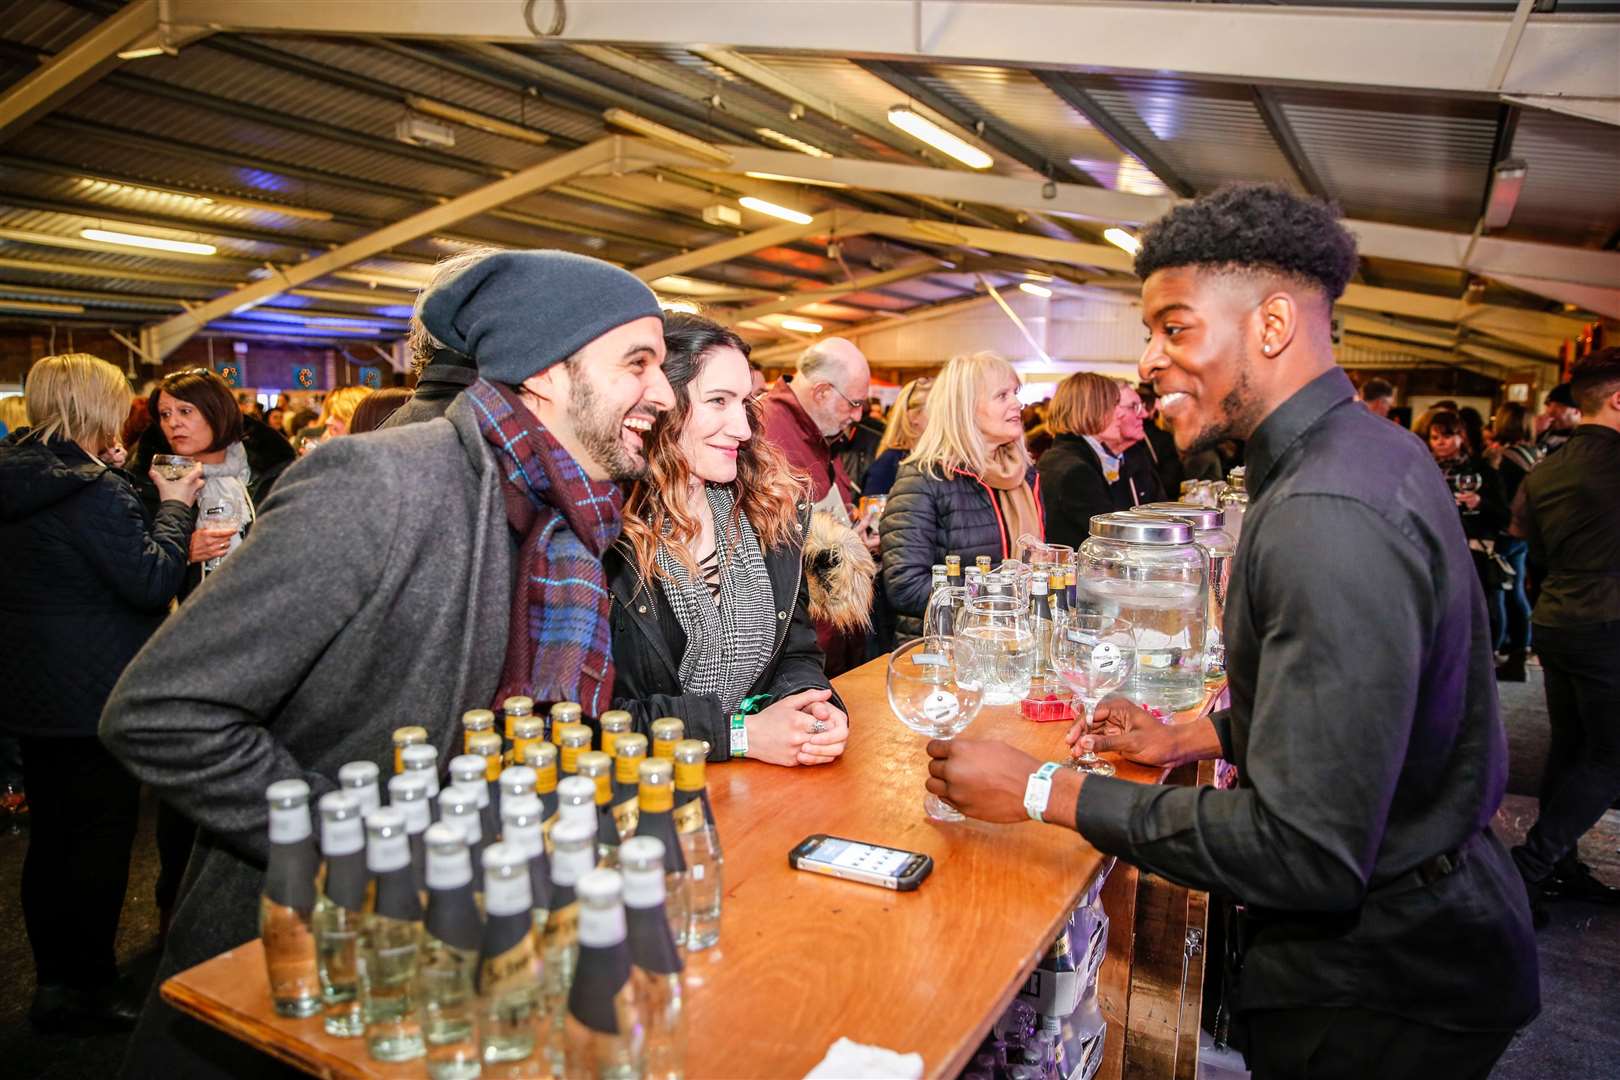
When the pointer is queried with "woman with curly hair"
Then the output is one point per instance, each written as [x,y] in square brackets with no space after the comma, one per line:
[709,613]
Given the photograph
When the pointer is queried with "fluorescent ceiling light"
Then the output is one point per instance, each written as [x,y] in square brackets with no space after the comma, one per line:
[781,139]
[677,283]
[323,327]
[685,306]
[1507,182]
[760,206]
[920,127]
[42,305]
[141,52]
[468,118]
[803,326]
[1036,275]
[629,121]
[156,243]
[1034,289]
[1122,240]
[786,179]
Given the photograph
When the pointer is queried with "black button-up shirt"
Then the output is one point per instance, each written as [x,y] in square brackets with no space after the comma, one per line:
[1364,727]
[1568,508]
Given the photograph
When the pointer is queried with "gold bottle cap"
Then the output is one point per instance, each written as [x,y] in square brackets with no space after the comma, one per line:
[566,712]
[478,720]
[539,755]
[615,720]
[528,727]
[483,743]
[1055,580]
[690,756]
[410,736]
[657,790]
[983,563]
[598,767]
[518,706]
[575,736]
[666,732]
[628,753]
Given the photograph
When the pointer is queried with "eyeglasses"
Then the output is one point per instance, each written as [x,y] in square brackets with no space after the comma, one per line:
[853,404]
[1138,408]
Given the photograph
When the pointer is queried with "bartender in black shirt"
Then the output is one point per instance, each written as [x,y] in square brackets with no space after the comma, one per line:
[1386,930]
[1568,508]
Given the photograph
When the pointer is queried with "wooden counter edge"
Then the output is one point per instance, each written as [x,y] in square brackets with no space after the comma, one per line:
[262,1036]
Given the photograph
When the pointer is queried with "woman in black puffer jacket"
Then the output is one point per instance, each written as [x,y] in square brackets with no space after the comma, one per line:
[88,581]
[968,489]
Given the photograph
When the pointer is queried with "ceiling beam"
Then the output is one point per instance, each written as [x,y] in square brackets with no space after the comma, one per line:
[942,234]
[983,128]
[168,335]
[887,322]
[1372,48]
[794,301]
[825,223]
[1072,95]
[75,67]
[1282,133]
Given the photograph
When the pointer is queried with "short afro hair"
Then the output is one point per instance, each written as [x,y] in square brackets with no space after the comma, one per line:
[1262,227]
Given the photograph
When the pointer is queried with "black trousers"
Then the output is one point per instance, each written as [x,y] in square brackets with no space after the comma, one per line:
[1355,1044]
[1582,669]
[83,808]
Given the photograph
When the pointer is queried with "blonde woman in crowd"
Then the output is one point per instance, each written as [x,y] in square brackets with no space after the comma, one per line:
[968,488]
[88,581]
[905,426]
[337,412]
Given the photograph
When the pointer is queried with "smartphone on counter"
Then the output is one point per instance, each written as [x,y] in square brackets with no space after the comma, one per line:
[870,864]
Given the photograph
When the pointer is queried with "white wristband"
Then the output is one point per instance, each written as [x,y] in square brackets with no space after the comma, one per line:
[1039,790]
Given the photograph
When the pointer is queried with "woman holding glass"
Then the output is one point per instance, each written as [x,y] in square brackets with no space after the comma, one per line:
[968,489]
[89,578]
[1477,489]
[709,614]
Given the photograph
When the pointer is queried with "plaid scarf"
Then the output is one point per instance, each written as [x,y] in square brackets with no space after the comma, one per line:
[558,647]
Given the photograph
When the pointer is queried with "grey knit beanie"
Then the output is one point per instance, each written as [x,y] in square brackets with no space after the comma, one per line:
[519,312]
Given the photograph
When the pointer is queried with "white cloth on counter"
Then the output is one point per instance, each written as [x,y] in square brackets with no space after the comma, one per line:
[850,1060]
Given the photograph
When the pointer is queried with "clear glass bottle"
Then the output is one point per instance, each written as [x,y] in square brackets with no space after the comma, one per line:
[597,767]
[1147,570]
[564,713]
[287,905]
[573,856]
[509,965]
[666,732]
[614,723]
[423,760]
[1046,687]
[339,912]
[403,737]
[658,964]
[474,721]
[514,709]
[700,846]
[629,751]
[449,963]
[409,792]
[467,776]
[520,826]
[1234,501]
[574,741]
[360,780]
[656,818]
[953,570]
[604,1036]
[459,810]
[390,943]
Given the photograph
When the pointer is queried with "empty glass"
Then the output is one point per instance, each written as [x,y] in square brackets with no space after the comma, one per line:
[935,694]
[1094,655]
[999,646]
[172,466]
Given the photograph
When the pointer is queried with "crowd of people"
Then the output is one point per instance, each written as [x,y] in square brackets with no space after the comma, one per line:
[589,499]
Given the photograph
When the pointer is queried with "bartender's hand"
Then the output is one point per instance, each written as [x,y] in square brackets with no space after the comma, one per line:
[827,745]
[982,778]
[780,730]
[1131,731]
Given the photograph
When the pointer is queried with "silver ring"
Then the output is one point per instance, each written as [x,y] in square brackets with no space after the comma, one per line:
[818,726]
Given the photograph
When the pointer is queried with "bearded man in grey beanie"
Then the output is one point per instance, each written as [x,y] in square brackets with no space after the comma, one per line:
[451,563]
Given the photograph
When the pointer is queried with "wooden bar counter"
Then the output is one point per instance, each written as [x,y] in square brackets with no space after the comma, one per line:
[804,959]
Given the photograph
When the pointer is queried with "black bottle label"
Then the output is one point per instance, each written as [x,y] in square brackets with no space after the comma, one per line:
[289,880]
[347,880]
[452,917]
[652,946]
[661,823]
[397,897]
[507,957]
[601,974]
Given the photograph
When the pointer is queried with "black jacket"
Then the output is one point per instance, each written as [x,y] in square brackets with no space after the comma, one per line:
[926,519]
[1138,481]
[1161,446]
[1073,489]
[648,642]
[268,455]
[1491,516]
[87,581]
[436,388]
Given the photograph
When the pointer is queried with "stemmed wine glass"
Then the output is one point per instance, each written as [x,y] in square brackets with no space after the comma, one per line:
[1465,483]
[173,466]
[934,694]
[1094,654]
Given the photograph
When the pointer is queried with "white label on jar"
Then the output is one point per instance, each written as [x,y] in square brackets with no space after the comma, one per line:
[342,836]
[940,707]
[288,826]
[449,871]
[507,895]
[643,888]
[601,927]
[385,853]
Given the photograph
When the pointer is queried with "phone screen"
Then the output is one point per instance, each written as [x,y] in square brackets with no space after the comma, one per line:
[849,855]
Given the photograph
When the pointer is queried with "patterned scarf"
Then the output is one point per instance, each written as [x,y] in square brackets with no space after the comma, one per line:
[558,647]
[727,644]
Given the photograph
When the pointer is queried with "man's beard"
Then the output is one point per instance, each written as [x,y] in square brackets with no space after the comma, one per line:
[599,432]
[1236,421]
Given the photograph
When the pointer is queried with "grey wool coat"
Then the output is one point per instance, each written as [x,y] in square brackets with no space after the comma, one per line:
[372,592]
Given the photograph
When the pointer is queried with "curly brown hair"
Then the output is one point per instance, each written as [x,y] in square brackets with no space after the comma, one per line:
[766,489]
